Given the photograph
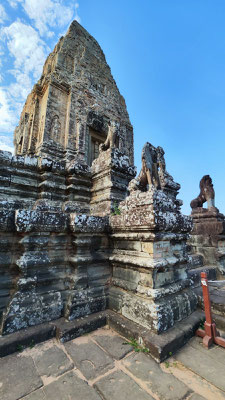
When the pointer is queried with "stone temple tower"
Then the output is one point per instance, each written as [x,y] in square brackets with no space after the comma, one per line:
[79,235]
[74,105]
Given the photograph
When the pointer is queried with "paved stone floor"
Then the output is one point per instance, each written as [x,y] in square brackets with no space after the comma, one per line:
[100,366]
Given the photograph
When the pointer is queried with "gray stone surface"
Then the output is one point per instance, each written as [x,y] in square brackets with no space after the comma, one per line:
[69,330]
[214,352]
[70,387]
[61,251]
[217,297]
[135,377]
[89,358]
[35,334]
[165,385]
[18,377]
[160,346]
[197,397]
[119,386]
[114,345]
[52,361]
[37,395]
[204,363]
[150,286]
[207,237]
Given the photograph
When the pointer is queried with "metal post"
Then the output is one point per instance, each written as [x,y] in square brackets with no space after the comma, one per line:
[210,334]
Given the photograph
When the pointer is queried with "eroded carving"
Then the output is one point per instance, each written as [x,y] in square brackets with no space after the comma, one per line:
[55,129]
[153,167]
[113,138]
[41,130]
[206,193]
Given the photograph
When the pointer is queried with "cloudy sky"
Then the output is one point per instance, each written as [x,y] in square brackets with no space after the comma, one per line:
[29,31]
[167,57]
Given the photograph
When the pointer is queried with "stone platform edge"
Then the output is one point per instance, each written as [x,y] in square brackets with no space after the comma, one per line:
[160,346]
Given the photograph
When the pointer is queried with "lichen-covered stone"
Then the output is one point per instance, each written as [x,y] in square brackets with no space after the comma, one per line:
[208,237]
[149,257]
[78,233]
[75,95]
[27,221]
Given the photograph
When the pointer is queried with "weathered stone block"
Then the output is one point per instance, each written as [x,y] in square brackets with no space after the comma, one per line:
[27,221]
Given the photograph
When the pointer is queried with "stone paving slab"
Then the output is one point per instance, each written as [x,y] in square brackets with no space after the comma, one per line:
[165,385]
[119,386]
[34,374]
[89,358]
[51,361]
[214,352]
[197,397]
[18,377]
[37,395]
[114,345]
[204,364]
[70,387]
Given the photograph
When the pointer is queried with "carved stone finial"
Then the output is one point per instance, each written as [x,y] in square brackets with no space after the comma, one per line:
[206,194]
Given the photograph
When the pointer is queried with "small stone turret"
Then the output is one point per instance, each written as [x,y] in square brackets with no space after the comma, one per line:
[149,257]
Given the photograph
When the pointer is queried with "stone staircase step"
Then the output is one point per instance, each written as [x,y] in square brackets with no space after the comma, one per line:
[160,346]
[195,261]
[220,322]
[195,274]
[217,298]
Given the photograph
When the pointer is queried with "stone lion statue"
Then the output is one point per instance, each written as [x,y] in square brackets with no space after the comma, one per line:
[113,138]
[206,193]
[153,163]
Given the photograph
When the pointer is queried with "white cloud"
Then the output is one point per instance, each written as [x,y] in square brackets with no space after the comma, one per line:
[47,13]
[14,3]
[26,47]
[77,18]
[6,144]
[3,15]
[8,117]
[29,53]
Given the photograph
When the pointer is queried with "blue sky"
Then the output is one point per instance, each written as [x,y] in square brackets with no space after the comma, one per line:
[167,57]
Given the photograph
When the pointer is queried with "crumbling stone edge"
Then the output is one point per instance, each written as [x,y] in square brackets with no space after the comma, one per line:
[160,346]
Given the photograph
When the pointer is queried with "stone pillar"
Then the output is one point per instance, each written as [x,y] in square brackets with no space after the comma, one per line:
[208,234]
[90,272]
[70,134]
[111,174]
[78,188]
[208,237]
[149,260]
